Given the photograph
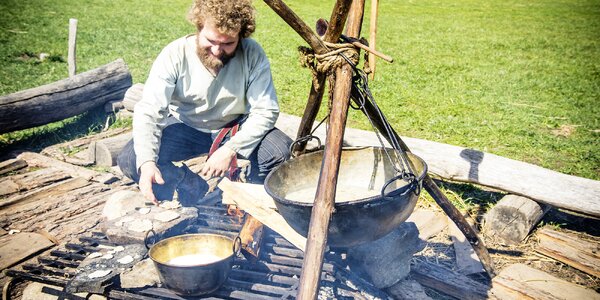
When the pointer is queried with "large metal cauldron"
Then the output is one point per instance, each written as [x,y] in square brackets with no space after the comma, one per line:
[371,200]
[195,278]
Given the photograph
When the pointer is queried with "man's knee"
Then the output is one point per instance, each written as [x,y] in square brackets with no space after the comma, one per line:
[127,162]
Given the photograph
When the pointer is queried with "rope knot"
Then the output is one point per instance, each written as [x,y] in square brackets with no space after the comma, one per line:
[328,62]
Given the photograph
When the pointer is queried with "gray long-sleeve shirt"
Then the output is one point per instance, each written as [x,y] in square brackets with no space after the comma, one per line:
[181,86]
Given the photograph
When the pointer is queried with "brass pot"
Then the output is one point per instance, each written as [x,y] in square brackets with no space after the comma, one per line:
[214,256]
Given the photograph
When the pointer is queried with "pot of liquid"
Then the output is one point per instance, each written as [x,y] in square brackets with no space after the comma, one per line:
[194,264]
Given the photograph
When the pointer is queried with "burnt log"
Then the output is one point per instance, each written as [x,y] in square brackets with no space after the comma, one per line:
[64,98]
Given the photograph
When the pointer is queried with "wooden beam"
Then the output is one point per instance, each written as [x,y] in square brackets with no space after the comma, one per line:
[262,212]
[12,165]
[373,36]
[65,98]
[447,281]
[326,188]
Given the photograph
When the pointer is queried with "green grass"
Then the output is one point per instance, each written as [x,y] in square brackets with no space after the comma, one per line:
[501,77]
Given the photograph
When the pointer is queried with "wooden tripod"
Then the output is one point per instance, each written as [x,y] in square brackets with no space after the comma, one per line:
[325,195]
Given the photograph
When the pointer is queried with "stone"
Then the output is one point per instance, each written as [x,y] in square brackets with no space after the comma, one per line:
[143,274]
[134,227]
[387,260]
[408,290]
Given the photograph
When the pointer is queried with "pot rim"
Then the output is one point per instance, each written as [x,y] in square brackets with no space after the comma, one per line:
[164,241]
[373,200]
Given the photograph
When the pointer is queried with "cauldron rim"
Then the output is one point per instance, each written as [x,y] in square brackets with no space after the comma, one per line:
[373,200]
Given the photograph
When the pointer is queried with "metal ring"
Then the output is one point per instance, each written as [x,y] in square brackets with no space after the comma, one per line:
[237,242]
[305,139]
[146,238]
[410,178]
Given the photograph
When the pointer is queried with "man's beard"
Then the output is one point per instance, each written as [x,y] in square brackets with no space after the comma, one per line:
[211,62]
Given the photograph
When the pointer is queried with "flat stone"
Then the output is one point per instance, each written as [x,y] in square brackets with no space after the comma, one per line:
[408,290]
[124,224]
[143,274]
[387,260]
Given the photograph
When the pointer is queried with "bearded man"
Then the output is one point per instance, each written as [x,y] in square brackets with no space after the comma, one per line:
[198,85]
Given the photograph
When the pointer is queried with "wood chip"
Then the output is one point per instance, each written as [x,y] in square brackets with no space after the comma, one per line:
[107,256]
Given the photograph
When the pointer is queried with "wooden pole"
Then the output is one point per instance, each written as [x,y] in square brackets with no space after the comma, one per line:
[334,31]
[325,195]
[372,36]
[72,64]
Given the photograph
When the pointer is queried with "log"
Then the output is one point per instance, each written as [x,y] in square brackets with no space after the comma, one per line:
[260,211]
[513,217]
[408,290]
[105,152]
[12,165]
[570,249]
[519,281]
[65,98]
[448,282]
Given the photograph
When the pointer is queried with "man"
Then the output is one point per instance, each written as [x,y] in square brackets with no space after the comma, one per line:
[198,85]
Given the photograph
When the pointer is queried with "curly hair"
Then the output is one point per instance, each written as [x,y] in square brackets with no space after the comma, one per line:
[229,16]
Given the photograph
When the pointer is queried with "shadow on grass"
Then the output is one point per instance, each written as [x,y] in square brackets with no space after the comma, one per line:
[36,139]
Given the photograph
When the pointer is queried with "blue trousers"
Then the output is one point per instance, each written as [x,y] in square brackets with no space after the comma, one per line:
[180,142]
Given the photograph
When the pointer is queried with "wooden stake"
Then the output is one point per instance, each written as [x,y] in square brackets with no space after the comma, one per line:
[372,36]
[72,47]
[325,196]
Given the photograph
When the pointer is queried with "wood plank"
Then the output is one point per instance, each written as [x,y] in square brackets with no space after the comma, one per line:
[428,222]
[31,180]
[39,160]
[570,249]
[64,98]
[449,282]
[467,261]
[12,165]
[259,210]
[50,191]
[519,281]
[15,248]
[256,190]
[468,165]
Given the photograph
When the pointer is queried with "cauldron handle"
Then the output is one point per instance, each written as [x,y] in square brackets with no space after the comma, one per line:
[304,139]
[146,238]
[402,191]
[237,246]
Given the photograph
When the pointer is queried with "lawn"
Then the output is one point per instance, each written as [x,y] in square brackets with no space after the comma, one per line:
[520,79]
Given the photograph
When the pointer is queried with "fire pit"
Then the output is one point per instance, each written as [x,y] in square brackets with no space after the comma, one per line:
[372,199]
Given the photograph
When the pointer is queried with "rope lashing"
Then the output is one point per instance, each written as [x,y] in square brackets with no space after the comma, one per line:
[326,63]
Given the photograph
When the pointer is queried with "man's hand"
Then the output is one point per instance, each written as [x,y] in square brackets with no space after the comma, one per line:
[149,174]
[218,163]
